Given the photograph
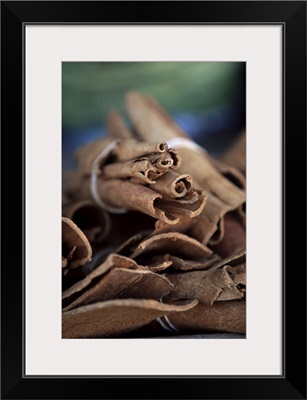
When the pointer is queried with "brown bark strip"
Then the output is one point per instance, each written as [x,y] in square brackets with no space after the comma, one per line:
[162,162]
[180,208]
[229,172]
[240,277]
[236,258]
[128,246]
[91,219]
[173,185]
[123,194]
[87,154]
[132,196]
[140,169]
[174,243]
[235,155]
[161,262]
[112,261]
[117,127]
[222,316]
[234,237]
[183,225]
[115,317]
[129,149]
[124,283]
[75,245]
[203,229]
[205,286]
[149,118]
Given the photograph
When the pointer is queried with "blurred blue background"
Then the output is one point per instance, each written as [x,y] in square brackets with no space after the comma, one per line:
[207,99]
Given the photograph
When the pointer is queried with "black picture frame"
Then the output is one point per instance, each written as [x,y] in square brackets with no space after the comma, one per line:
[292,16]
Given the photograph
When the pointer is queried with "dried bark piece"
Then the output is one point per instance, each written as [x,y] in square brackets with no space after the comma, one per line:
[173,185]
[161,262]
[206,176]
[91,219]
[222,316]
[64,262]
[235,177]
[229,172]
[119,130]
[67,258]
[140,169]
[174,243]
[240,275]
[149,286]
[162,162]
[112,261]
[204,230]
[121,150]
[115,317]
[123,194]
[105,287]
[209,228]
[235,259]
[129,149]
[188,265]
[75,245]
[117,127]
[124,283]
[144,170]
[234,237]
[176,158]
[205,286]
[235,155]
[120,194]
[183,225]
[150,120]
[87,154]
[130,244]
[181,208]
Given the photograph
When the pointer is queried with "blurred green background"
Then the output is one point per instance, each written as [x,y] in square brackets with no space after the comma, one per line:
[207,99]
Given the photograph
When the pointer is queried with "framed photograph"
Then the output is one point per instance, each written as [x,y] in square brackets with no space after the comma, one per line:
[159,151]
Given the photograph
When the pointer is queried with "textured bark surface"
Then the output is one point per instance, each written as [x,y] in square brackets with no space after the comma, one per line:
[76,249]
[115,317]
[153,233]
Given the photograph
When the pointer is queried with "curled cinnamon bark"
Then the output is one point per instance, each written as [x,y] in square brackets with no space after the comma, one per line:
[76,249]
[163,162]
[123,194]
[128,149]
[117,127]
[90,218]
[173,185]
[205,286]
[123,283]
[234,237]
[150,120]
[195,200]
[174,243]
[115,317]
[161,262]
[118,174]
[222,316]
[140,169]
[235,155]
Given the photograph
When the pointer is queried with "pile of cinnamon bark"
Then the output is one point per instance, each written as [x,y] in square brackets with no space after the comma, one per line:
[153,232]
